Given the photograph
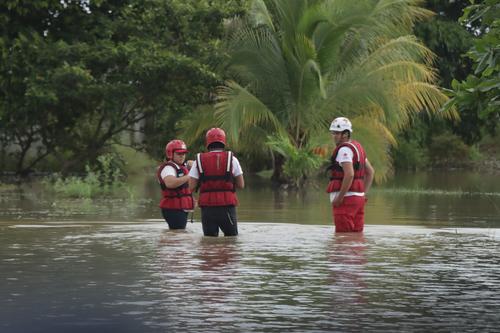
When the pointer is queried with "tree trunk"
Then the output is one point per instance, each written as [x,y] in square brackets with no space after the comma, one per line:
[278,176]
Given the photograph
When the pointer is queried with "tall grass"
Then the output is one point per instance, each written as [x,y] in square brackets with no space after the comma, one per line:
[424,191]
[105,178]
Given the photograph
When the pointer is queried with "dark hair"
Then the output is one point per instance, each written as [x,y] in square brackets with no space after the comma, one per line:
[215,145]
[348,133]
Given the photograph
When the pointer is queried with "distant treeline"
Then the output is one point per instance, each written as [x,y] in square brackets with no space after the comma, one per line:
[78,77]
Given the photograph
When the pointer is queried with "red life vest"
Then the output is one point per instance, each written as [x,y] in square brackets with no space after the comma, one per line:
[175,198]
[337,174]
[216,182]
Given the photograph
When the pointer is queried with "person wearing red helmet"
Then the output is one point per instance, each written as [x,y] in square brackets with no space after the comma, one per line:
[217,174]
[172,175]
[351,178]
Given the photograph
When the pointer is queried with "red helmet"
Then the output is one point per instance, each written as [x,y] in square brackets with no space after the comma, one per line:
[215,135]
[175,146]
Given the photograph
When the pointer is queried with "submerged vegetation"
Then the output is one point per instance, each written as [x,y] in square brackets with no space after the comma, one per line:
[107,178]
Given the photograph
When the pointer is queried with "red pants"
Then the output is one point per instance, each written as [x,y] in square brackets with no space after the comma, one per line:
[350,216]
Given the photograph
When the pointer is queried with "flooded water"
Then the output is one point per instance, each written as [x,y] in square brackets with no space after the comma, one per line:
[429,260]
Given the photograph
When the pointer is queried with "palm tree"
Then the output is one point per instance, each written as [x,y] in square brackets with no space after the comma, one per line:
[296,65]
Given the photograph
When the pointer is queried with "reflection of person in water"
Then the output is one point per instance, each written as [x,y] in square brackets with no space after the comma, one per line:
[196,274]
[216,255]
[217,258]
[174,252]
[347,254]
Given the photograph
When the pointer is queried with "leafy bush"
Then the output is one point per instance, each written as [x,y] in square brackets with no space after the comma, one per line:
[106,177]
[409,155]
[448,150]
[300,162]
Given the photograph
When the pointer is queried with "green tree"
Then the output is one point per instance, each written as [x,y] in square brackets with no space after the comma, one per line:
[295,65]
[76,75]
[479,92]
[447,38]
[449,41]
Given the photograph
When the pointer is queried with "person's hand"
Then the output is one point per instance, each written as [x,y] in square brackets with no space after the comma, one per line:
[338,201]
[189,164]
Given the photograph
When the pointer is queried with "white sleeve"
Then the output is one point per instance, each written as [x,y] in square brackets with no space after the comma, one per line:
[345,154]
[237,171]
[193,172]
[168,171]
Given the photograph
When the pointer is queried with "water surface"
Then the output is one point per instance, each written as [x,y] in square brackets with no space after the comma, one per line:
[429,260]
[134,277]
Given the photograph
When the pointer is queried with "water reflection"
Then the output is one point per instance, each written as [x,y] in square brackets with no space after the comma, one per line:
[346,253]
[217,256]
[141,277]
[434,199]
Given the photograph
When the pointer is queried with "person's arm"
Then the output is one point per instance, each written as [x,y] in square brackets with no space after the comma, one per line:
[193,176]
[239,182]
[346,182]
[369,173]
[174,182]
[193,183]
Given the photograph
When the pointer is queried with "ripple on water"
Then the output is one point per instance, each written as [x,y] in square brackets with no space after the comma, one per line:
[272,277]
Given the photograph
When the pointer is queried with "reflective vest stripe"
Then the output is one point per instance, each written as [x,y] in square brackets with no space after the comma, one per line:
[198,163]
[216,179]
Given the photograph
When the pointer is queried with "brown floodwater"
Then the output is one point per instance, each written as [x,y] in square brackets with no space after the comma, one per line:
[429,260]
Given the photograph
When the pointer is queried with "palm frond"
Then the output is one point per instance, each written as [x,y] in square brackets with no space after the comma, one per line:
[197,124]
[424,96]
[259,15]
[404,48]
[376,140]
[238,109]
[297,64]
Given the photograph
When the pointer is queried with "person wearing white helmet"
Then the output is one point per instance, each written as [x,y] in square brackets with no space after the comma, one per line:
[351,178]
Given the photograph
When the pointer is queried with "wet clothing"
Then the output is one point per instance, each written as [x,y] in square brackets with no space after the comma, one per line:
[223,217]
[349,216]
[216,172]
[175,218]
[175,201]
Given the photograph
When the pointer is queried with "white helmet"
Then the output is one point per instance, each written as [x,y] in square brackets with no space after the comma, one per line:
[340,124]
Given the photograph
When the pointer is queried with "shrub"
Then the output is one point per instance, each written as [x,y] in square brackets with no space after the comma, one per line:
[448,150]
[408,155]
[105,177]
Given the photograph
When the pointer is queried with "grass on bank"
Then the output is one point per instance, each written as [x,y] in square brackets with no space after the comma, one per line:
[107,177]
[423,191]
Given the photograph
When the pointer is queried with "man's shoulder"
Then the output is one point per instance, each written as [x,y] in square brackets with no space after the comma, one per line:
[345,153]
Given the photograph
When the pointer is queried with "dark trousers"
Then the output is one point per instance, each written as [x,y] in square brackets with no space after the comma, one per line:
[176,218]
[223,217]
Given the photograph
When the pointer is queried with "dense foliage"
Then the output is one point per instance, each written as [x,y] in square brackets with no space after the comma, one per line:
[76,75]
[297,65]
[460,44]
[480,91]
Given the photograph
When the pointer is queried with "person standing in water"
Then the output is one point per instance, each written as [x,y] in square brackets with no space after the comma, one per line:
[177,199]
[217,174]
[350,180]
